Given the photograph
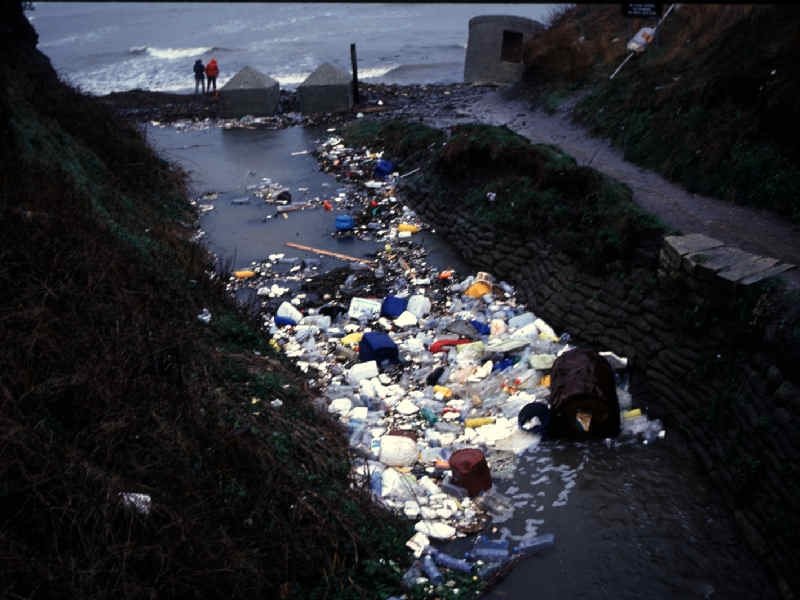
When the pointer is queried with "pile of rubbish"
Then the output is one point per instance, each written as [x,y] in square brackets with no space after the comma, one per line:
[441,380]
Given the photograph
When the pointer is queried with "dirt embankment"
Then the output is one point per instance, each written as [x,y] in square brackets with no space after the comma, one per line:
[708,104]
[143,451]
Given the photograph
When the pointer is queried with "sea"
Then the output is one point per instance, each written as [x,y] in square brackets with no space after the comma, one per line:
[104,47]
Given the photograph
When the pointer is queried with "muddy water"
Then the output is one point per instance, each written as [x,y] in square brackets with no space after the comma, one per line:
[632,520]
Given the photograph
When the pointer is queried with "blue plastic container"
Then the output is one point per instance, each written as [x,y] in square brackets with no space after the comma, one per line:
[344,222]
[480,327]
[383,168]
[393,306]
[377,346]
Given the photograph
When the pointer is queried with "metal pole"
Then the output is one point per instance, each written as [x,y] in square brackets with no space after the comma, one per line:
[354,62]
[630,55]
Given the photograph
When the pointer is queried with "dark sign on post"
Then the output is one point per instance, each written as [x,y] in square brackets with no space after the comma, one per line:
[642,10]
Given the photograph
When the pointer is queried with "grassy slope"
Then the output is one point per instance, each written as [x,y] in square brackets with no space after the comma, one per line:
[537,187]
[709,105]
[109,383]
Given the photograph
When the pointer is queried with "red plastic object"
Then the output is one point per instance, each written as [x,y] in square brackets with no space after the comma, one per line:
[442,345]
[470,470]
[327,205]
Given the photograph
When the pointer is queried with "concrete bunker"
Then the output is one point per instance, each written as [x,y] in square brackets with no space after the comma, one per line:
[495,48]
[327,89]
[249,92]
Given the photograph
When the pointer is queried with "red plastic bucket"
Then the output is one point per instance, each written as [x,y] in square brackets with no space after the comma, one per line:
[470,470]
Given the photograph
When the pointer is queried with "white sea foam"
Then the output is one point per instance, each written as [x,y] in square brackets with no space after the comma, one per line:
[177,53]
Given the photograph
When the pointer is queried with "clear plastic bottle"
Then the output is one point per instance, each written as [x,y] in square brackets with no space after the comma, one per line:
[489,550]
[430,569]
[535,544]
[451,562]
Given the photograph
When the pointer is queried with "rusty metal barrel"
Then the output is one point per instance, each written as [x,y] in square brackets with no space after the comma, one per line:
[583,396]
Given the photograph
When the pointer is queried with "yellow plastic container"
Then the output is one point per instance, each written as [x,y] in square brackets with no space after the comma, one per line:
[446,392]
[352,339]
[244,274]
[479,421]
[478,289]
[408,227]
[545,381]
[632,414]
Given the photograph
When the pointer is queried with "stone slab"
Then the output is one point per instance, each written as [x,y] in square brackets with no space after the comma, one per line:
[719,258]
[693,242]
[747,267]
[766,273]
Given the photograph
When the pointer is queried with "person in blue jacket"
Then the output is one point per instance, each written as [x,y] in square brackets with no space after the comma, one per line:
[199,76]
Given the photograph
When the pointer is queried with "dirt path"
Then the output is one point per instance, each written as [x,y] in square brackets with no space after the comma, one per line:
[746,228]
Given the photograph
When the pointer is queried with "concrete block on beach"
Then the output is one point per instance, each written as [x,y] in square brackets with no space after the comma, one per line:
[495,47]
[249,92]
[327,89]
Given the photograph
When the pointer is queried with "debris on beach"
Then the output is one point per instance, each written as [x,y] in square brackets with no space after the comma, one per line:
[427,370]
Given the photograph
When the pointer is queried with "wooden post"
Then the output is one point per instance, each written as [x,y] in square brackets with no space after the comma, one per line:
[354,62]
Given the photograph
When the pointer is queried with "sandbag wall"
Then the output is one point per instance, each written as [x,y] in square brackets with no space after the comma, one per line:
[714,362]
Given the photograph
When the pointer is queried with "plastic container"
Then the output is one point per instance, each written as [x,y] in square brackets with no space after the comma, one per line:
[393,306]
[408,227]
[470,470]
[398,451]
[489,550]
[479,421]
[478,289]
[321,321]
[451,562]
[419,305]
[429,567]
[362,370]
[383,168]
[535,544]
[377,346]
[344,222]
[283,321]
[288,311]
[364,308]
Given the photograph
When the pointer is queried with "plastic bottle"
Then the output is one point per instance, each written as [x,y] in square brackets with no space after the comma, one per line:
[429,567]
[535,544]
[490,568]
[410,577]
[489,550]
[429,415]
[451,562]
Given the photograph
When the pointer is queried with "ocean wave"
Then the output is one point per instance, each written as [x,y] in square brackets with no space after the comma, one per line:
[293,79]
[172,53]
[421,68]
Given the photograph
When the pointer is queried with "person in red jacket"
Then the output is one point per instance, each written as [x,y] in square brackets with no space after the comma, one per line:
[212,70]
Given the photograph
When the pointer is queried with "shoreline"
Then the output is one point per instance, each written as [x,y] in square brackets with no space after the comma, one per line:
[407,99]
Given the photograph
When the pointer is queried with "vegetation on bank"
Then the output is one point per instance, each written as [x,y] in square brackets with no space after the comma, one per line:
[109,384]
[502,179]
[709,104]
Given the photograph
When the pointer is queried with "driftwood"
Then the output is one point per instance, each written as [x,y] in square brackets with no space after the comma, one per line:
[338,255]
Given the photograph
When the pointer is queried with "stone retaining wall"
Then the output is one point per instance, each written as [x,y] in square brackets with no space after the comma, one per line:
[712,369]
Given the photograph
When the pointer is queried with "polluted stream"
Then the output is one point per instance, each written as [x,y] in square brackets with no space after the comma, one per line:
[449,358]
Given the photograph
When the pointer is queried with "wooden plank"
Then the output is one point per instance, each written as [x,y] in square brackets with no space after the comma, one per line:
[338,255]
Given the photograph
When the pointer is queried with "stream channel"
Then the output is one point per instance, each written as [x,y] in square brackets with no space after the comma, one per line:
[631,519]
